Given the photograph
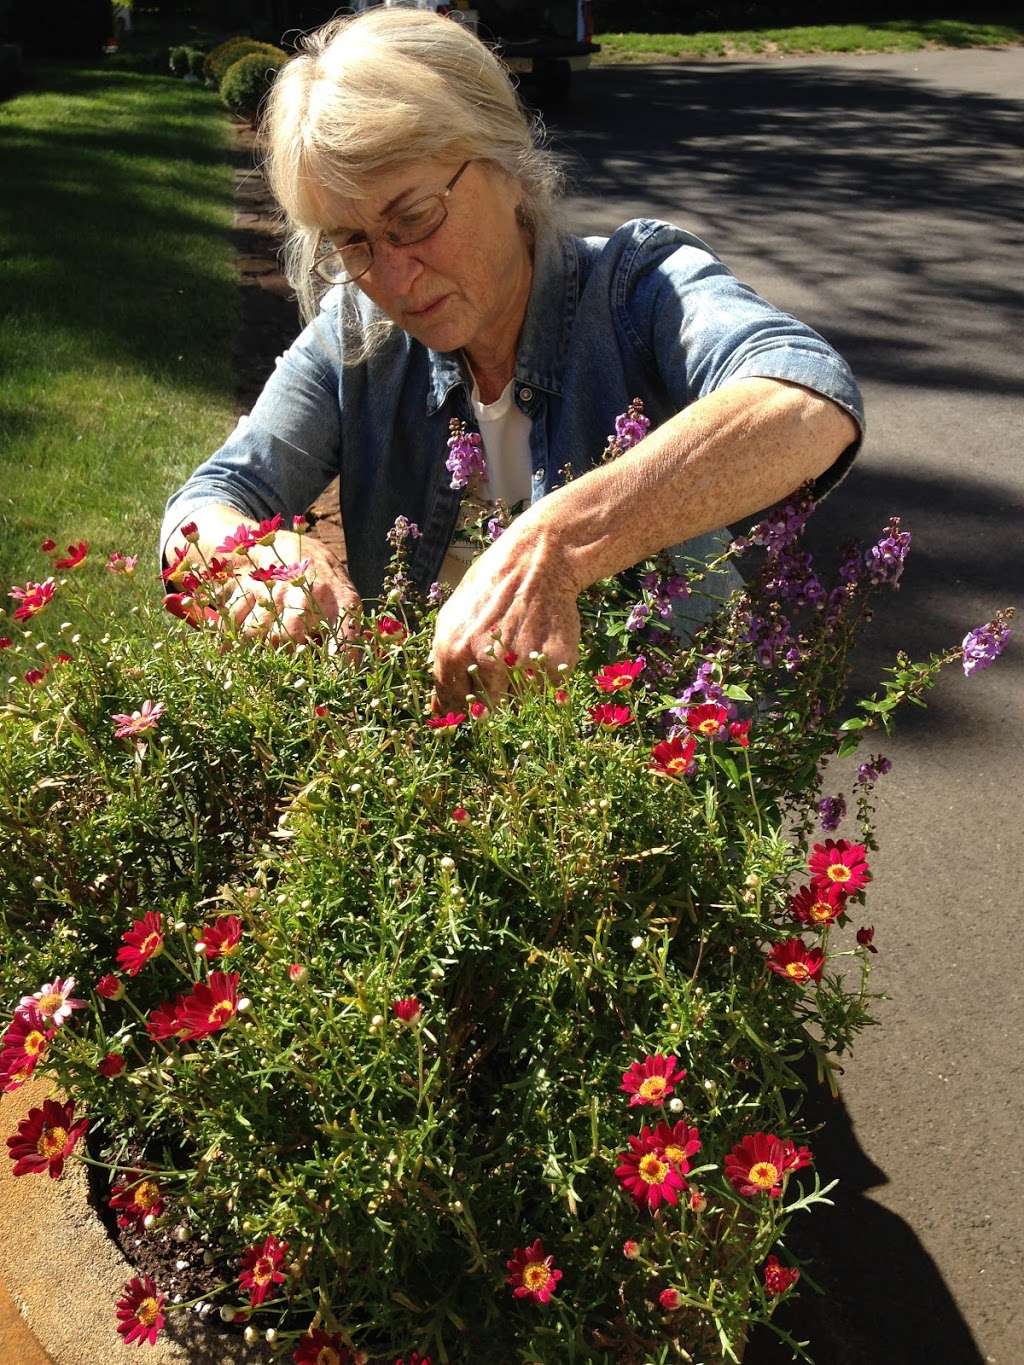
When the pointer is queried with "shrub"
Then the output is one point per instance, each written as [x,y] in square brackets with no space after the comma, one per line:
[411,1003]
[196,62]
[247,81]
[221,58]
[178,60]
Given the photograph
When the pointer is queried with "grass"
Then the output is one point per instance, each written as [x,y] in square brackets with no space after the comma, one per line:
[118,306]
[896,35]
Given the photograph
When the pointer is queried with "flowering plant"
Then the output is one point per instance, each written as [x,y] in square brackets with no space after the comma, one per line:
[463,1037]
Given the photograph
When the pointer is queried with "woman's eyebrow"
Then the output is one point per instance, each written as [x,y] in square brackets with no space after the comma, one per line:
[388,209]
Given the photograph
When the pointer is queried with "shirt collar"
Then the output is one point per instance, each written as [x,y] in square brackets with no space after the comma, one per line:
[550,313]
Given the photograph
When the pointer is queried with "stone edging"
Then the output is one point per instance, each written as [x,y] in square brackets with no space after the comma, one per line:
[65,1274]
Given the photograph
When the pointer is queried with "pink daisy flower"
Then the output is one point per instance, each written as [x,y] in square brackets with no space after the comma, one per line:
[138,722]
[54,1001]
[652,1080]
[532,1274]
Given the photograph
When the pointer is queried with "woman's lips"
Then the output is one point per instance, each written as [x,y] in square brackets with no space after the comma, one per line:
[430,308]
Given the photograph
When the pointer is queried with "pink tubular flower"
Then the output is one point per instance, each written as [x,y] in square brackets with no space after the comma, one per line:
[739,733]
[320,1348]
[140,1313]
[674,757]
[618,677]
[532,1274]
[390,628]
[45,1138]
[796,962]
[759,1164]
[223,936]
[448,722]
[652,1080]
[111,987]
[260,1269]
[708,719]
[607,716]
[839,863]
[210,1006]
[136,1197]
[818,905]
[33,598]
[408,1010]
[647,1174]
[54,1000]
[146,718]
[144,940]
[111,1065]
[777,1277]
[74,556]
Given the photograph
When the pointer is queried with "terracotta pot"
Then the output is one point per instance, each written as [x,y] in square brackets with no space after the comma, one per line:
[63,1274]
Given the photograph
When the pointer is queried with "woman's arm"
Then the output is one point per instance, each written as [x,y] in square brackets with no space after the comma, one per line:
[727,455]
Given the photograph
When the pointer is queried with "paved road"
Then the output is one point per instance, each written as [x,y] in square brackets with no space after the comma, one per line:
[882,199]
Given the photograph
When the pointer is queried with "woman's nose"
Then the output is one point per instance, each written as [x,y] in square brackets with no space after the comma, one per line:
[396,268]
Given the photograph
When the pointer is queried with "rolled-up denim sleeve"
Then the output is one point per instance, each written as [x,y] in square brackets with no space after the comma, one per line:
[704,329]
[282,456]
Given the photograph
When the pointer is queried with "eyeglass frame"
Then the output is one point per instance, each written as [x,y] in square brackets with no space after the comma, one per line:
[443,195]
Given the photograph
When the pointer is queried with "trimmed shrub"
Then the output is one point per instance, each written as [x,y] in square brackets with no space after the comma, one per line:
[247,81]
[220,58]
[196,62]
[177,60]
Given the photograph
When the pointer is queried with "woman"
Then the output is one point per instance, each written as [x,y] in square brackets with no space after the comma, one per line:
[414,184]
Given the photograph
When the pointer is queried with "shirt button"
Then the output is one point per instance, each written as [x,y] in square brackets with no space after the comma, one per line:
[526,395]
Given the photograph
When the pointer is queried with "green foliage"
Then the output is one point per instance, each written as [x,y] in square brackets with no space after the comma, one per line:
[248,79]
[558,908]
[178,61]
[226,54]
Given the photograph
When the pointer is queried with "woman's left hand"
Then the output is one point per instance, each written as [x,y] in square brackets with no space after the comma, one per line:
[518,597]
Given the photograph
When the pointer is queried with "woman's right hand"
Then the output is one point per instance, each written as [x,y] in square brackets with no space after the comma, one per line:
[283,612]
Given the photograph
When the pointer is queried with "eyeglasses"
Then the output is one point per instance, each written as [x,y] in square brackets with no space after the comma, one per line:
[415,223]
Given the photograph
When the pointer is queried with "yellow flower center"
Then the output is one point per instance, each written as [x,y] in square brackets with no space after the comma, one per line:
[146,1194]
[221,1012]
[150,944]
[708,727]
[620,681]
[653,1087]
[797,970]
[148,1311]
[675,1154]
[675,765]
[34,1043]
[839,872]
[263,1270]
[764,1174]
[52,1141]
[47,1003]
[821,911]
[327,1355]
[653,1169]
[536,1276]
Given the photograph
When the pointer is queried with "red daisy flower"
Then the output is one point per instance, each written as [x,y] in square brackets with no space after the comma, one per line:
[111,987]
[510,658]
[45,1138]
[34,676]
[408,1010]
[74,556]
[112,1065]
[163,1022]
[223,936]
[210,1006]
[136,1197]
[865,937]
[140,1313]
[709,719]
[674,757]
[186,608]
[245,537]
[448,722]
[174,569]
[647,1173]
[533,1275]
[321,1348]
[840,863]
[652,1080]
[618,677]
[145,939]
[48,544]
[260,1269]
[414,1359]
[818,905]
[24,1043]
[739,733]
[391,628]
[609,716]
[33,598]
[759,1164]
[678,1141]
[796,962]
[778,1277]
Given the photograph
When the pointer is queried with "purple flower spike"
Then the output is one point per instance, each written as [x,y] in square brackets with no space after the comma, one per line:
[466,457]
[885,560]
[832,811]
[983,646]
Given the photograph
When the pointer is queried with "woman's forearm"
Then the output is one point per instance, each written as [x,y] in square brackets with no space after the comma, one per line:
[731,454]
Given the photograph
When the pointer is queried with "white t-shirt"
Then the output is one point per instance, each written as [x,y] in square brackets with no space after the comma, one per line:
[505,433]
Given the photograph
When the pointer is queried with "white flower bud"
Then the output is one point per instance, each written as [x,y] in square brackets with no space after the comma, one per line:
[200,948]
[244,1004]
[376,1021]
[448,863]
[391,782]
[182,1233]
[637,941]
[179,925]
[76,639]
[563,668]
[149,1221]
[37,881]
[472,668]
[355,788]
[676,1105]
[270,1335]
[250,1336]
[437,972]
[227,1313]
[457,1206]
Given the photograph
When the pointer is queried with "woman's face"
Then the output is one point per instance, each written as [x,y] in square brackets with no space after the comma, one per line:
[466,285]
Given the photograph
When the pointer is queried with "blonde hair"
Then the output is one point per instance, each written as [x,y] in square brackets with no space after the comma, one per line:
[376,90]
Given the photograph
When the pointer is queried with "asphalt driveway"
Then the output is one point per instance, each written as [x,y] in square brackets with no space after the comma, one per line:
[882,200]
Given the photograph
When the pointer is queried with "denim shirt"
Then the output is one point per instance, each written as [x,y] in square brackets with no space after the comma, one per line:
[649,312]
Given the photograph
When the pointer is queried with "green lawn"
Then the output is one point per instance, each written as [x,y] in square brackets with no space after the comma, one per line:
[896,35]
[118,306]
